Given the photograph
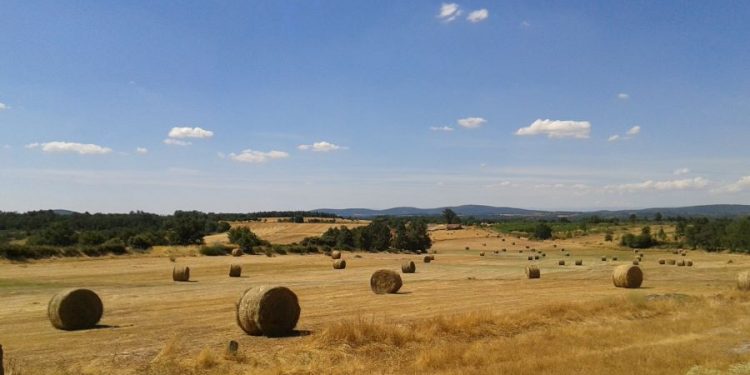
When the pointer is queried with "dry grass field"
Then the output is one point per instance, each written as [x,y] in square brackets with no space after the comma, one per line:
[284,233]
[460,314]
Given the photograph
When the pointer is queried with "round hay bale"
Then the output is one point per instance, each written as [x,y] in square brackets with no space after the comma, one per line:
[671,262]
[335,254]
[604,259]
[505,250]
[561,262]
[636,251]
[527,246]
[743,280]
[579,262]
[237,252]
[427,259]
[544,254]
[432,257]
[536,257]
[635,262]
[675,252]
[530,257]
[181,273]
[408,267]
[532,272]
[567,254]
[339,264]
[520,251]
[554,245]
[235,270]
[683,254]
[496,251]
[466,248]
[74,309]
[533,250]
[268,310]
[662,261]
[481,254]
[689,263]
[614,258]
[385,281]
[627,276]
[681,263]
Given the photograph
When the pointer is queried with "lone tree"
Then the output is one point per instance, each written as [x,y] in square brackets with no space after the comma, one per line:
[451,217]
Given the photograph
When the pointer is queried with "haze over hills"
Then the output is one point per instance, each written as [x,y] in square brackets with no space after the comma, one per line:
[717,210]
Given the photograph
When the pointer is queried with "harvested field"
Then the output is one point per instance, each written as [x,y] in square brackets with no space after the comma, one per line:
[285,233]
[463,314]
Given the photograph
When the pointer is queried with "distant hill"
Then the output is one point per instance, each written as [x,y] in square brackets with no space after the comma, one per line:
[719,210]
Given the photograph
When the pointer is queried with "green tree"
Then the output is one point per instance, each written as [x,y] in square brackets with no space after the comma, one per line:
[450,216]
[245,239]
[542,231]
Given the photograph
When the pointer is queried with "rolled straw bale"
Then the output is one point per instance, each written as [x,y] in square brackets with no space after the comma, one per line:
[689,263]
[635,262]
[481,254]
[335,254]
[743,280]
[681,263]
[530,257]
[532,272]
[579,262]
[237,252]
[662,261]
[427,259]
[671,262]
[561,262]
[339,264]
[235,270]
[627,276]
[536,257]
[408,267]
[268,310]
[604,259]
[385,281]
[614,258]
[181,273]
[74,309]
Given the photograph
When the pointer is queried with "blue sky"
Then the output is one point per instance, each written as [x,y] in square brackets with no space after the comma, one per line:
[243,106]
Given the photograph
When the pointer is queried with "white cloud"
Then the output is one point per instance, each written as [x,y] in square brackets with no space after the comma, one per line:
[70,147]
[742,184]
[141,150]
[686,184]
[525,24]
[471,122]
[176,142]
[449,12]
[188,132]
[623,96]
[614,138]
[557,129]
[321,146]
[441,128]
[681,171]
[478,16]
[3,107]
[257,157]
[634,131]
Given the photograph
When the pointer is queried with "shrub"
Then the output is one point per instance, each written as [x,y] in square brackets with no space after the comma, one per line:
[215,250]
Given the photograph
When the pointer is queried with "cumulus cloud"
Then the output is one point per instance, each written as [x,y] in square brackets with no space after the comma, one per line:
[70,147]
[741,184]
[176,142]
[441,128]
[449,12]
[471,122]
[257,157]
[634,131]
[478,16]
[614,138]
[321,146]
[557,129]
[681,171]
[623,96]
[187,132]
[525,24]
[141,150]
[3,107]
[686,184]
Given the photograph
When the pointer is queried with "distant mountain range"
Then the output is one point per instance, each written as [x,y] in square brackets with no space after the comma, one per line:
[717,210]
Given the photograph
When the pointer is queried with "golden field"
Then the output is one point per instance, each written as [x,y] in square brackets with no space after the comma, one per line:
[460,314]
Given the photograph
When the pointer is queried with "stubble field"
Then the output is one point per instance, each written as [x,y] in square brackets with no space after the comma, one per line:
[462,313]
